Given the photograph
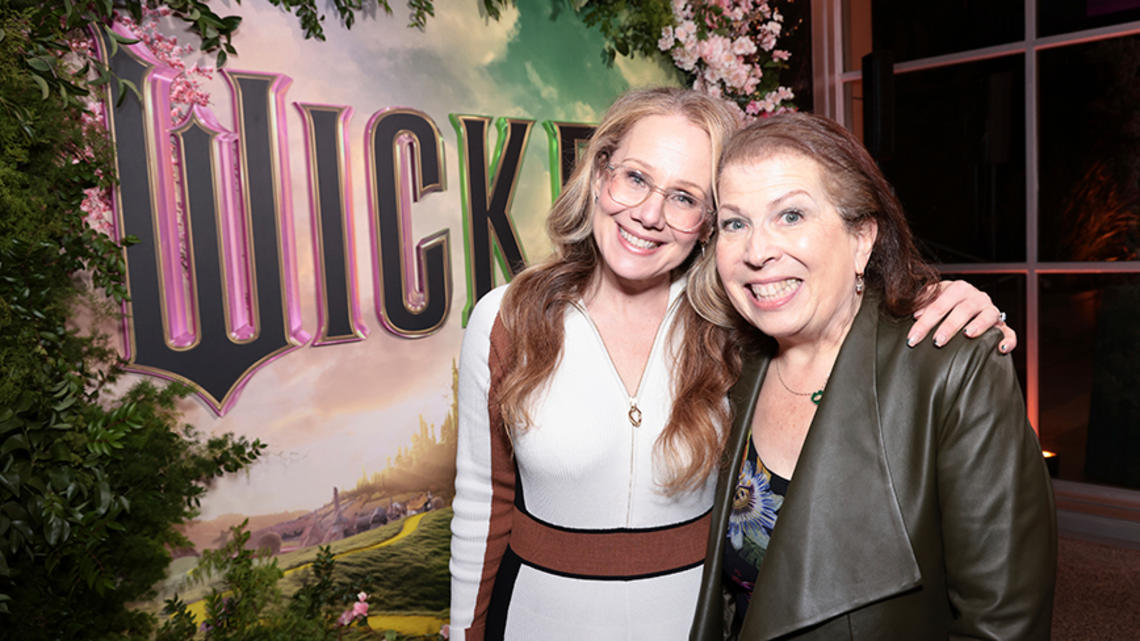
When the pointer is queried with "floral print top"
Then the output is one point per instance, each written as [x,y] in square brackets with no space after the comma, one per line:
[755,506]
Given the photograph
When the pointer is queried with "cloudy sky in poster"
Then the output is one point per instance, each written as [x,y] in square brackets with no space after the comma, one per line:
[332,414]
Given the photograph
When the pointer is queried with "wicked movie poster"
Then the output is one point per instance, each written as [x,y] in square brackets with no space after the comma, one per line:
[314,223]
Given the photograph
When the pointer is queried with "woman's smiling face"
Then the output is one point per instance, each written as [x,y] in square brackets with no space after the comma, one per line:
[639,250]
[784,254]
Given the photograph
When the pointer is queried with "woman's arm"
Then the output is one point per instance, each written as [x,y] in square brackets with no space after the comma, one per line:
[960,305]
[484,481]
[998,520]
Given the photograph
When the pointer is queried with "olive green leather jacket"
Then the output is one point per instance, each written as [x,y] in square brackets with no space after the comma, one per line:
[920,507]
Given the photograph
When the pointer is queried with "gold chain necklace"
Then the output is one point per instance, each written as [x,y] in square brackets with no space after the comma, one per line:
[816,396]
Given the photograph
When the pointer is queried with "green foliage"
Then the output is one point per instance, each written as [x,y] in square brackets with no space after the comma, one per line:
[312,19]
[92,482]
[94,506]
[630,27]
[248,604]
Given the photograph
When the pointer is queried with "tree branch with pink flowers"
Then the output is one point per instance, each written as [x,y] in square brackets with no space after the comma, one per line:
[729,49]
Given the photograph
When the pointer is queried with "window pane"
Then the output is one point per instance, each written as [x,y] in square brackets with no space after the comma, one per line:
[958,161]
[853,107]
[915,29]
[1089,145]
[1090,374]
[1067,16]
[1008,293]
[856,33]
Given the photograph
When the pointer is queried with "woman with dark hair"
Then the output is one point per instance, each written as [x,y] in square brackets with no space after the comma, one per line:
[591,409]
[878,491]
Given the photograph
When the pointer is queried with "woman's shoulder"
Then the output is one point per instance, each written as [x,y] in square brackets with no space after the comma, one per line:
[487,308]
[958,357]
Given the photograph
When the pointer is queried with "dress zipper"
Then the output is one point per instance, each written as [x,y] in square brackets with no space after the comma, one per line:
[634,413]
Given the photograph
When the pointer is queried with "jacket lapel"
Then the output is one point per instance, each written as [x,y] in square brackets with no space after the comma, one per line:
[840,541]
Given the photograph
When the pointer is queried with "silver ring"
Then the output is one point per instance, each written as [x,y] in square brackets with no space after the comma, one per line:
[1001,316]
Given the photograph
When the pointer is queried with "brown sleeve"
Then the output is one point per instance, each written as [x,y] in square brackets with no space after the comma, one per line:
[502,482]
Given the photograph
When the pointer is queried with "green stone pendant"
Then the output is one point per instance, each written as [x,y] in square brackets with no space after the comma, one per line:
[817,396]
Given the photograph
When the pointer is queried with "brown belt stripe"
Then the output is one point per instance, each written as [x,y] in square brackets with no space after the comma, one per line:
[616,553]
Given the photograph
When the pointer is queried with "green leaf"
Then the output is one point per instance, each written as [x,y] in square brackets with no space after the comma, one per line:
[38,63]
[53,530]
[123,82]
[60,478]
[45,91]
[120,38]
[11,481]
[13,443]
[104,78]
[104,497]
[8,421]
[23,528]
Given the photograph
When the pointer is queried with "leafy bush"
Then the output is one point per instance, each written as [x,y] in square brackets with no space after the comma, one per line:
[92,483]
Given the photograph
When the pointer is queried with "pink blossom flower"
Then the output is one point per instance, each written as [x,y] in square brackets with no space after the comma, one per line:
[686,57]
[686,30]
[727,57]
[737,76]
[743,46]
[345,618]
[755,75]
[713,89]
[185,88]
[767,40]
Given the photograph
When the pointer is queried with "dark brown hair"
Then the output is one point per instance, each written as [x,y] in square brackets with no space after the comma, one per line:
[860,192]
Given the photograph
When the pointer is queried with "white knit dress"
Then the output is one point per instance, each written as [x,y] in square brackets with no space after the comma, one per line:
[568,535]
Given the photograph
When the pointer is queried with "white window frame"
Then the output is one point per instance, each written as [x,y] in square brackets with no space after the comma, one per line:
[829,82]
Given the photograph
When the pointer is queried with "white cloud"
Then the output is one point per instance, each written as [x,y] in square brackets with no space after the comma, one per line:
[584,112]
[457,31]
[545,89]
[644,72]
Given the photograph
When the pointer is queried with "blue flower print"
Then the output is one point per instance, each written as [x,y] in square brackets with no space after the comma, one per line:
[754,507]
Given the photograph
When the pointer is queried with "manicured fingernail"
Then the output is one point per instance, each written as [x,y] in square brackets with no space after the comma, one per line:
[968,332]
[938,340]
[910,341]
[1003,348]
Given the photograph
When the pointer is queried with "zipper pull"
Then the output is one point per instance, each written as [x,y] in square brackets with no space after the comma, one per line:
[634,413]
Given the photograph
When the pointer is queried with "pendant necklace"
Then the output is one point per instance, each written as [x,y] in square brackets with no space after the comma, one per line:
[634,413]
[816,396]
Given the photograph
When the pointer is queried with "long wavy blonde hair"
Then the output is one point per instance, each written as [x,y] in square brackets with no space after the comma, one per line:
[533,308]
